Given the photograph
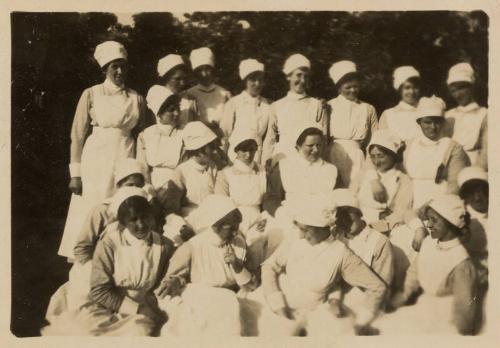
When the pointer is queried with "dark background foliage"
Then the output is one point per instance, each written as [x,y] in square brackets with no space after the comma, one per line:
[52,63]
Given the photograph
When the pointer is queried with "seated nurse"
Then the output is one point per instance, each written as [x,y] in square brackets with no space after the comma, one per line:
[298,279]
[445,273]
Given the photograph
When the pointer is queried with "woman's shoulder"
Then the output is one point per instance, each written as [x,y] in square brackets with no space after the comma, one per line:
[112,234]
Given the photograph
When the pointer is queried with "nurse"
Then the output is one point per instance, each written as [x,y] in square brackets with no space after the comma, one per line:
[467,123]
[193,180]
[172,72]
[401,118]
[445,273]
[292,112]
[210,97]
[384,153]
[247,110]
[432,160]
[352,123]
[111,113]
[159,147]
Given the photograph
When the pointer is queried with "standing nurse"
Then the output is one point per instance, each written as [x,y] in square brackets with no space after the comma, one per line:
[109,111]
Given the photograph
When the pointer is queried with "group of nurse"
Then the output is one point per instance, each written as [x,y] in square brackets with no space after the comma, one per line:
[194,212]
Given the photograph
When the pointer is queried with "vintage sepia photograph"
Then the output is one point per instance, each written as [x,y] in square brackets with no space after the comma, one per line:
[250,173]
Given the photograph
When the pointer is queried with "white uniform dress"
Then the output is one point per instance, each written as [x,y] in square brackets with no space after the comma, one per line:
[159,147]
[210,101]
[244,112]
[467,126]
[351,126]
[401,119]
[112,113]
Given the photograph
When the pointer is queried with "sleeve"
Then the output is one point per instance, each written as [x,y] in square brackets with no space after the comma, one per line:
[271,269]
[103,289]
[482,160]
[356,273]
[275,193]
[94,225]
[141,155]
[194,112]
[145,117]
[383,262]
[403,201]
[271,137]
[166,254]
[463,281]
[227,120]
[79,132]
[221,184]
[170,197]
[411,284]
[372,125]
[323,116]
[180,263]
[382,123]
[458,161]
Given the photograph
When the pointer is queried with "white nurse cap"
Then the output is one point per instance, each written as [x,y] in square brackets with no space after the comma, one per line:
[126,167]
[461,72]
[345,198]
[432,106]
[167,63]
[402,74]
[201,56]
[296,61]
[156,96]
[450,207]
[387,139]
[215,207]
[339,69]
[471,173]
[123,194]
[249,66]
[109,51]
[196,135]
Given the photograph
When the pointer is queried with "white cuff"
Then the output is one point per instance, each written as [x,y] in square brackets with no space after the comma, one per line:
[364,316]
[128,306]
[243,277]
[74,170]
[415,224]
[276,300]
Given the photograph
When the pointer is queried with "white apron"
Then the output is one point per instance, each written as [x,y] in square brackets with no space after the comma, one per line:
[110,141]
[349,158]
[422,160]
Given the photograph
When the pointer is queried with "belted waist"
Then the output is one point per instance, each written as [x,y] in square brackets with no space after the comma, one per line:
[111,130]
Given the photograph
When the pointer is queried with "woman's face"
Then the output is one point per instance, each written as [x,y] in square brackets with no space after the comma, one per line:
[298,80]
[461,93]
[410,93]
[311,148]
[349,221]
[254,83]
[208,154]
[381,160]
[247,155]
[438,226]
[478,197]
[350,89]
[170,115]
[116,72]
[205,75]
[431,126]
[139,225]
[177,81]
[228,227]
[313,235]
[134,180]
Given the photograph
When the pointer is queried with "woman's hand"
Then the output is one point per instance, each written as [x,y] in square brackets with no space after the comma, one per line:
[261,225]
[398,300]
[379,192]
[420,234]
[171,287]
[75,185]
[231,259]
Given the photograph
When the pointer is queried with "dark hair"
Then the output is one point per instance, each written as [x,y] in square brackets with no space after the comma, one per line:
[440,118]
[233,214]
[395,156]
[246,145]
[104,68]
[348,77]
[253,74]
[133,205]
[192,153]
[308,132]
[119,183]
[472,185]
[163,80]
[415,80]
[461,84]
[173,99]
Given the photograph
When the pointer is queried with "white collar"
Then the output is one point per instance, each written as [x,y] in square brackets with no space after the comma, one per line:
[111,87]
[130,239]
[240,166]
[248,98]
[428,142]
[198,167]
[475,214]
[405,106]
[448,244]
[206,89]
[393,172]
[296,96]
[345,100]
[469,107]
[304,162]
[165,129]
[363,235]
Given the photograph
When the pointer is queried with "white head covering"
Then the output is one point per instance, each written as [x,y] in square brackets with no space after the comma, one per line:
[318,211]
[109,51]
[201,56]
[242,134]
[461,72]
[167,63]
[296,61]
[451,207]
[387,139]
[345,198]
[126,167]
[157,95]
[471,173]
[339,69]
[249,66]
[196,135]
[402,74]
[433,106]
[300,130]
[122,194]
[215,207]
